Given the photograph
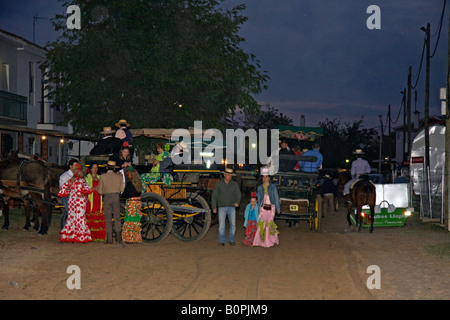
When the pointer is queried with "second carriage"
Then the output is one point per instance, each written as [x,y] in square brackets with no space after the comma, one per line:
[299,198]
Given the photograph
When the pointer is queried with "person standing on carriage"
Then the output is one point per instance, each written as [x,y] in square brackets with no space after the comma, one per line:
[359,167]
[108,145]
[124,134]
[225,197]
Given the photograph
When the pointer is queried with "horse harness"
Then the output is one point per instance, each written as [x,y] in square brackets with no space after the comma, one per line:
[18,187]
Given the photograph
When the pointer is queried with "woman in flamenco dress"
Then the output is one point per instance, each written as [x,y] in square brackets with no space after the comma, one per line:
[76,228]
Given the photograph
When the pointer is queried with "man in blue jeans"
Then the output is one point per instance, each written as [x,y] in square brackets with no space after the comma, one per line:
[225,198]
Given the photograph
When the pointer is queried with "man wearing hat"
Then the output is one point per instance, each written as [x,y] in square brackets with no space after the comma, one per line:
[286,165]
[123,133]
[359,167]
[110,185]
[108,144]
[225,198]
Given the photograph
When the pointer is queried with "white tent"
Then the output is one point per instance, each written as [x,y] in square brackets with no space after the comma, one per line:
[430,190]
[437,158]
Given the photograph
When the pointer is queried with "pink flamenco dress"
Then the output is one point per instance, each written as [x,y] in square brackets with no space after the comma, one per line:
[76,228]
[266,233]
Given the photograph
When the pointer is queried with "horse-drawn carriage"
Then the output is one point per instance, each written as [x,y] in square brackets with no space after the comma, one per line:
[299,199]
[298,190]
[179,207]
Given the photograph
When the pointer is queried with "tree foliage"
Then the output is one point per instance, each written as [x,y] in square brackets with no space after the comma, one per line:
[340,141]
[270,118]
[154,63]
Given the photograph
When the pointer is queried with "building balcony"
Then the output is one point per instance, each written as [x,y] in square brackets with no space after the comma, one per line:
[13,107]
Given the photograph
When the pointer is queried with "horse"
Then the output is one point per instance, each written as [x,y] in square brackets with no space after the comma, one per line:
[362,193]
[343,178]
[31,182]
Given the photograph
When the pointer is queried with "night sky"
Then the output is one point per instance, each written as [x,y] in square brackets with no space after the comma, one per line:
[322,59]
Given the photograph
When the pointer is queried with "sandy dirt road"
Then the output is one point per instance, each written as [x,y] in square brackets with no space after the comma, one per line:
[331,264]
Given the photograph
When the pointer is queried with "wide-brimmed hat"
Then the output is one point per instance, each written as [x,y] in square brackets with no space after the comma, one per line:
[229,171]
[111,163]
[265,171]
[107,130]
[183,146]
[358,151]
[121,122]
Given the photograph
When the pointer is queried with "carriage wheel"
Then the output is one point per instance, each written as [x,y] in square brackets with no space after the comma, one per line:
[157,217]
[316,218]
[191,226]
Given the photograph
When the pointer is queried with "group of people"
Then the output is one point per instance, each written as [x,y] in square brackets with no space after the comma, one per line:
[92,201]
[305,166]
[259,214]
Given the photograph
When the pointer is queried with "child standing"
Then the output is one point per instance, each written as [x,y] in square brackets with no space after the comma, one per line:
[251,216]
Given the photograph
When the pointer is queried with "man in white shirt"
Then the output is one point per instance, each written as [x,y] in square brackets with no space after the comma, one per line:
[62,180]
[359,167]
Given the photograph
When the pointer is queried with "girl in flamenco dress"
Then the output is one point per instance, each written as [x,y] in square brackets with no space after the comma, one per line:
[76,228]
[268,200]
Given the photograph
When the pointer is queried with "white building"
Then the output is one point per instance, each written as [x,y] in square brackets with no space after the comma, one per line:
[27,123]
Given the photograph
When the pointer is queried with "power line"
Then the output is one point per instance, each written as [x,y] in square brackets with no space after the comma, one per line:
[420,65]
[440,28]
[399,111]
[435,47]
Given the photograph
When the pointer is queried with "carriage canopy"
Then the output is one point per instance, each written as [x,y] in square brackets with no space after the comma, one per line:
[301,133]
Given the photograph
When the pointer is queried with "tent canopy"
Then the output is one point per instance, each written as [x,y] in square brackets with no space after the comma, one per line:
[160,133]
[197,136]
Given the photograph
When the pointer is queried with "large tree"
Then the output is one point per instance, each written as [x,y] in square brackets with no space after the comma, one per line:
[270,118]
[155,63]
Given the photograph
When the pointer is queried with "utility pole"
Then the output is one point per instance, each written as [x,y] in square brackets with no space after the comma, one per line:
[427,107]
[404,125]
[35,18]
[446,182]
[409,109]
[380,152]
[389,120]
